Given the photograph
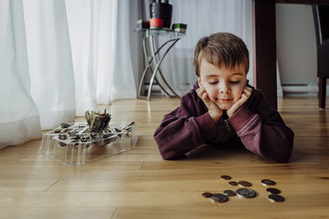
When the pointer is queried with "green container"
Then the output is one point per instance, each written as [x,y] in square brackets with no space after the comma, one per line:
[179,27]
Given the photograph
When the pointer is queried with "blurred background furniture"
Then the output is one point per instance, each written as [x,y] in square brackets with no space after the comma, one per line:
[321,24]
[154,59]
[264,39]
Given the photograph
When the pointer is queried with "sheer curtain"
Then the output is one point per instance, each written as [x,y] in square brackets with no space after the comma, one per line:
[105,50]
[19,116]
[50,60]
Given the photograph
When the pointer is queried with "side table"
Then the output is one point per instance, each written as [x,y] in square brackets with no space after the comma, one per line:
[154,60]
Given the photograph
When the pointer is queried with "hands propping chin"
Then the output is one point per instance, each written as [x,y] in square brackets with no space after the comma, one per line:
[215,111]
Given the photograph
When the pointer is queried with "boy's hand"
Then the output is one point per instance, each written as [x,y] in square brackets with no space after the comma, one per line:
[214,111]
[246,93]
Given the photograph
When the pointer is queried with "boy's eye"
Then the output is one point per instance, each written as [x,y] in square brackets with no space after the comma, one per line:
[235,82]
[213,82]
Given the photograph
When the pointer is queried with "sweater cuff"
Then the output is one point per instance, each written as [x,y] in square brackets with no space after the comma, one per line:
[206,126]
[241,118]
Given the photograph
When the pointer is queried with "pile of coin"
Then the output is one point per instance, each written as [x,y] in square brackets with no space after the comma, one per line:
[77,135]
[244,192]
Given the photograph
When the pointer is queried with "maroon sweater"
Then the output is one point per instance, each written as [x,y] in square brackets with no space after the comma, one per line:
[256,124]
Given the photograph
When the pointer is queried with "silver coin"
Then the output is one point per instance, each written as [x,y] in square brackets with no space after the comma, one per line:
[276,198]
[273,190]
[246,193]
[229,192]
[218,197]
[268,182]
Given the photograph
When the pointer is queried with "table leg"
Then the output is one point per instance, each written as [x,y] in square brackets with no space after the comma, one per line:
[264,34]
[157,68]
[141,83]
[157,64]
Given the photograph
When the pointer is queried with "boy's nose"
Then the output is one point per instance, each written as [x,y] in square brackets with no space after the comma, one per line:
[224,89]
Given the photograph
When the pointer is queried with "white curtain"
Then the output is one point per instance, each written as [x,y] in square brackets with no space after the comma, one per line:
[50,60]
[105,50]
[19,117]
[204,18]
[60,58]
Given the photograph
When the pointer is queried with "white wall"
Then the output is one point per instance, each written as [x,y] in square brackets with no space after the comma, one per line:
[296,45]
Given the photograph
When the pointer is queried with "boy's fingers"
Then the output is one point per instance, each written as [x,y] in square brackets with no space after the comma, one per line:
[248,90]
[244,97]
[206,99]
[199,93]
[204,96]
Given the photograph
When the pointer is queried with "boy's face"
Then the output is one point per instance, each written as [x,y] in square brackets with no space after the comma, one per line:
[223,85]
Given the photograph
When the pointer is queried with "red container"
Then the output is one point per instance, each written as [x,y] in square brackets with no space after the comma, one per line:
[156,23]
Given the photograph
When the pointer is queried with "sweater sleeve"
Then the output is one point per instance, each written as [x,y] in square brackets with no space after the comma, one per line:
[184,129]
[262,130]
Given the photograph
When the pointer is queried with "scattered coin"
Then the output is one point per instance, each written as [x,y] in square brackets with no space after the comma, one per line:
[218,197]
[246,193]
[226,177]
[268,182]
[233,183]
[276,198]
[229,192]
[273,190]
[206,194]
[245,183]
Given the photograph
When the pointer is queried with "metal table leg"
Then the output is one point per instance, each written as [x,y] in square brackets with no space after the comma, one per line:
[157,64]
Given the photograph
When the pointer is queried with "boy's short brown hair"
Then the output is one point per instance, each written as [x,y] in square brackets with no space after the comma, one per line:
[219,49]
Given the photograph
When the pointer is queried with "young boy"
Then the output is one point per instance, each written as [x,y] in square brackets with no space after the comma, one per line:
[223,107]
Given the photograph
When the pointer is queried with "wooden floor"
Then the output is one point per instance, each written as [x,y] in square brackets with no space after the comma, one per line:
[139,184]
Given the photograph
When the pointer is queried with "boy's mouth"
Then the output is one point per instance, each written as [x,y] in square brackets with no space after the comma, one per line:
[225,100]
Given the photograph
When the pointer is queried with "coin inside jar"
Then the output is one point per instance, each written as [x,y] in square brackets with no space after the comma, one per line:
[226,177]
[268,182]
[273,190]
[218,197]
[245,183]
[276,198]
[246,193]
